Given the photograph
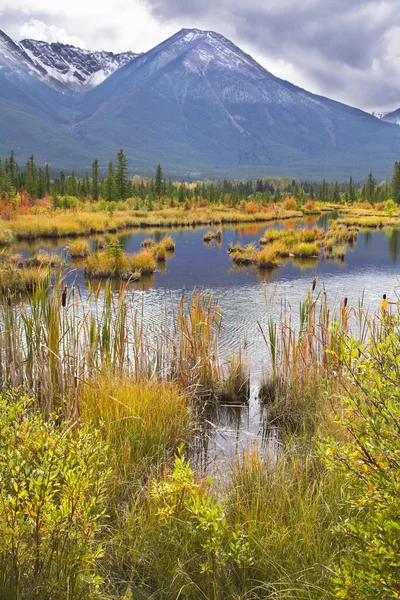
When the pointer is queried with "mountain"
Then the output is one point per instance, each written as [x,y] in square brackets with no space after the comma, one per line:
[392,117]
[201,105]
[76,68]
[34,115]
[196,103]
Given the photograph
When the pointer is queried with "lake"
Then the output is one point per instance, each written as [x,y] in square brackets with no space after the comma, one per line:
[243,294]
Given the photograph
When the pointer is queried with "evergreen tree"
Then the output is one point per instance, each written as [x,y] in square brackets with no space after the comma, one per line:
[30,179]
[111,189]
[47,179]
[159,181]
[72,185]
[370,188]
[95,180]
[13,169]
[352,191]
[121,176]
[396,182]
[336,198]
[41,184]
[182,193]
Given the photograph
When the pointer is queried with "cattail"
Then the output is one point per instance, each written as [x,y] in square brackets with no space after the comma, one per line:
[314,283]
[345,302]
[64,297]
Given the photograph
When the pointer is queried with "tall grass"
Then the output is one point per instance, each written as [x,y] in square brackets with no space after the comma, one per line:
[54,340]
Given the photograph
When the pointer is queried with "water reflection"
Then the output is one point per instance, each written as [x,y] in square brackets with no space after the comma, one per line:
[394,243]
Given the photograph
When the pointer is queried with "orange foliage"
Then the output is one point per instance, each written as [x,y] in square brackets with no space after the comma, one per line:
[290,203]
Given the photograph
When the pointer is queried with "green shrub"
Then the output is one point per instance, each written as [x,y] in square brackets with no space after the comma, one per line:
[371,463]
[183,546]
[52,488]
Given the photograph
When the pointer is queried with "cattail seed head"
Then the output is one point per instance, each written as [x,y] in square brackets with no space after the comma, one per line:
[64,297]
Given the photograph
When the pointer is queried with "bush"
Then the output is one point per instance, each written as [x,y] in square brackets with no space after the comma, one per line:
[290,203]
[390,208]
[184,541]
[53,483]
[371,464]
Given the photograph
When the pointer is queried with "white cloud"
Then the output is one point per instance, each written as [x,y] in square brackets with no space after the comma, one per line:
[38,30]
[115,25]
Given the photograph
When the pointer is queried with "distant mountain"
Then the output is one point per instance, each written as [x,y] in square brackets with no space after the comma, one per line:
[202,106]
[76,68]
[196,103]
[392,117]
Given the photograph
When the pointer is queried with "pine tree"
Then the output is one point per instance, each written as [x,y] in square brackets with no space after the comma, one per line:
[159,181]
[95,180]
[41,184]
[370,188]
[121,176]
[352,191]
[13,169]
[396,182]
[72,185]
[336,198]
[47,179]
[31,177]
[111,189]
[182,193]
[62,184]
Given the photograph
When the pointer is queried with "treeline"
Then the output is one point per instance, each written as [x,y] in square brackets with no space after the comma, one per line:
[39,181]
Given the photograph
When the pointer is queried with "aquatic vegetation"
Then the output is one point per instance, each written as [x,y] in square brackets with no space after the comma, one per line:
[148,243]
[135,390]
[79,249]
[213,235]
[160,253]
[336,252]
[168,243]
[266,259]
[305,249]
[116,263]
[23,279]
[44,259]
[290,242]
[244,255]
[142,262]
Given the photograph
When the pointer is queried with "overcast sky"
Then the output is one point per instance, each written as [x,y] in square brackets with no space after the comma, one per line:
[348,50]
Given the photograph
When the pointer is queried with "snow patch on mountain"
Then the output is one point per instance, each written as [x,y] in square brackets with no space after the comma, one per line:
[76,68]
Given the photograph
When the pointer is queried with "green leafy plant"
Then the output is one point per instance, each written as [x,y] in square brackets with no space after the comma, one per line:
[188,510]
[52,494]
[370,462]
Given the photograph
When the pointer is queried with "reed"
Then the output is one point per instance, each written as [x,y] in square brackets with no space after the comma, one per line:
[54,340]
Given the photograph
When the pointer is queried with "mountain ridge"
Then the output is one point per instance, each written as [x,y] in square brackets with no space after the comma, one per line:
[201,106]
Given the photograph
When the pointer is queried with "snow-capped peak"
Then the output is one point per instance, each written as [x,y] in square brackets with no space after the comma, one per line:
[76,68]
